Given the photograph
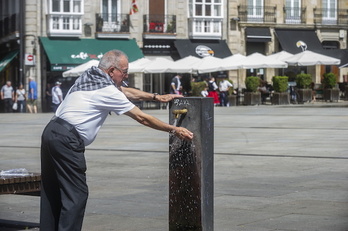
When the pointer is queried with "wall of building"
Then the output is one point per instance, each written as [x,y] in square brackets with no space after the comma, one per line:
[233,29]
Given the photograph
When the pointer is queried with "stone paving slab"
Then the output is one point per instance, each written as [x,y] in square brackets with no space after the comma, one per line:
[276,168]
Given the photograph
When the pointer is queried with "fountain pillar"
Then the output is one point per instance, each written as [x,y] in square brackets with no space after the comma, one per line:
[191,187]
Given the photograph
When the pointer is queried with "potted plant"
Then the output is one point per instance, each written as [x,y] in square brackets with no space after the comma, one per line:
[303,83]
[252,96]
[281,95]
[197,88]
[330,91]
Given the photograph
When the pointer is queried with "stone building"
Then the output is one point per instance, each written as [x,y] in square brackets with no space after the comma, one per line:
[44,38]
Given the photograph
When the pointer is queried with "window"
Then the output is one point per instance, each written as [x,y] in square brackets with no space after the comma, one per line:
[329,11]
[206,17]
[293,11]
[64,17]
[66,6]
[255,10]
[207,8]
[111,15]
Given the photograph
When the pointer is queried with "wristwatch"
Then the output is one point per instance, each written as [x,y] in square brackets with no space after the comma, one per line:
[154,96]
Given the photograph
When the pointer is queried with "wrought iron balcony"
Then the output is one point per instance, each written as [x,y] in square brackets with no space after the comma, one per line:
[325,16]
[112,24]
[294,15]
[254,14]
[161,24]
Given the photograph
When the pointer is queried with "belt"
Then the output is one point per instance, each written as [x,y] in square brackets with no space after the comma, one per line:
[67,125]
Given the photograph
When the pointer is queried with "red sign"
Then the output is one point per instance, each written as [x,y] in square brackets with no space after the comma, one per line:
[30,58]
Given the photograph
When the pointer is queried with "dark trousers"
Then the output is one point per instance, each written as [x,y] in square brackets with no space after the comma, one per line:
[223,98]
[64,191]
[21,106]
[8,104]
[54,107]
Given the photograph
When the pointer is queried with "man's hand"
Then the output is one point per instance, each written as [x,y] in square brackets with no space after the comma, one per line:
[182,133]
[166,98]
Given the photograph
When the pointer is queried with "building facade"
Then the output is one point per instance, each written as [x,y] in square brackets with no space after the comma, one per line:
[44,38]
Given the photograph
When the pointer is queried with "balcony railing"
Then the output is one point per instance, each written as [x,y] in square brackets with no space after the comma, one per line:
[160,24]
[64,25]
[294,15]
[253,14]
[325,16]
[112,23]
[9,25]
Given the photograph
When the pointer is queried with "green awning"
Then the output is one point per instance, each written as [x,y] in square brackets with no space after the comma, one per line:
[8,58]
[66,54]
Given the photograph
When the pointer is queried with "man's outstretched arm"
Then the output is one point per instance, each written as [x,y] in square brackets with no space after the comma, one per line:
[153,122]
[135,94]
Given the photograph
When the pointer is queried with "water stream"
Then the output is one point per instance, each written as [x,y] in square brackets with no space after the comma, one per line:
[184,183]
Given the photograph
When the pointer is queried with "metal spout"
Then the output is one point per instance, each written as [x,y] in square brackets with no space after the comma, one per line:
[179,112]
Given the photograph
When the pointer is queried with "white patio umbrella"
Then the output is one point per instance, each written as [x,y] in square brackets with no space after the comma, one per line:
[282,55]
[158,65]
[310,58]
[208,64]
[232,62]
[138,65]
[78,70]
[184,65]
[257,60]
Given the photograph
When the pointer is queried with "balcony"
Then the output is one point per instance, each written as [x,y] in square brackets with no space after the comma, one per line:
[294,15]
[253,14]
[159,26]
[9,28]
[112,26]
[335,17]
[205,28]
[64,25]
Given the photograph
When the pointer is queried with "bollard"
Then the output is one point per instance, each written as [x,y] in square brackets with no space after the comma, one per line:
[191,187]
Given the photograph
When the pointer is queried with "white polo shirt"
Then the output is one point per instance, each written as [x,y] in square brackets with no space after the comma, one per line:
[87,110]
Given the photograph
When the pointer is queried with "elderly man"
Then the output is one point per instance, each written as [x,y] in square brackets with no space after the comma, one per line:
[95,94]
[7,94]
[32,96]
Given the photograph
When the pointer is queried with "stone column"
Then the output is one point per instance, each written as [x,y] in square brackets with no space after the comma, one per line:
[191,186]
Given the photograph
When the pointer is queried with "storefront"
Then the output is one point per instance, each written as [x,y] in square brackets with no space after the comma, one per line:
[63,54]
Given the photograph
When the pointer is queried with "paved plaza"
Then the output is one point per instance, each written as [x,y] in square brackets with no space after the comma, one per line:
[278,168]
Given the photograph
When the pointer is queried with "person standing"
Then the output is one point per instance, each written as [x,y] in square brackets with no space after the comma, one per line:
[212,91]
[20,98]
[224,87]
[204,92]
[7,95]
[48,97]
[32,96]
[57,96]
[175,85]
[94,95]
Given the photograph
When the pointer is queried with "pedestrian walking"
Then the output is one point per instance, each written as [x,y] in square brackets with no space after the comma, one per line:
[32,96]
[7,95]
[224,87]
[57,96]
[21,99]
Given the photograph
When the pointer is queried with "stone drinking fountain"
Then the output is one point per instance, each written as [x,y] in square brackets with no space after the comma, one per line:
[191,166]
